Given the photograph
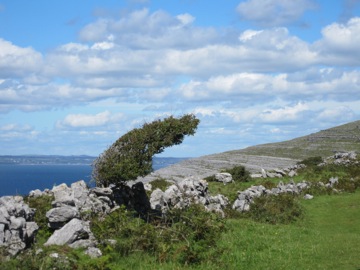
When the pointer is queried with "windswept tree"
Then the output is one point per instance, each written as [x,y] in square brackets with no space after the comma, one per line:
[131,155]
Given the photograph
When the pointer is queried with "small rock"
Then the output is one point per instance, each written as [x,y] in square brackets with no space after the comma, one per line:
[93,252]
[292,173]
[224,178]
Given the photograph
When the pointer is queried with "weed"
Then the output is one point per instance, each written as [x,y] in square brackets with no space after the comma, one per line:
[185,236]
[280,209]
[42,204]
[238,173]
[160,183]
[311,161]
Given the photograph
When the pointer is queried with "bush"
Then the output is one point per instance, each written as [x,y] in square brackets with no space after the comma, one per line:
[42,204]
[283,208]
[185,236]
[239,174]
[160,183]
[311,161]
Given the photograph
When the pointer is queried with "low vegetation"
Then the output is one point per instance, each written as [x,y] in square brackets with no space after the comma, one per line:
[280,232]
[238,173]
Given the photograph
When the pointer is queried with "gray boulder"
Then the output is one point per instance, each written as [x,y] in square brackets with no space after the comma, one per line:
[4,216]
[189,191]
[62,196]
[17,228]
[35,193]
[333,181]
[102,192]
[2,234]
[292,173]
[263,173]
[71,232]
[57,217]
[93,252]
[157,199]
[79,192]
[224,178]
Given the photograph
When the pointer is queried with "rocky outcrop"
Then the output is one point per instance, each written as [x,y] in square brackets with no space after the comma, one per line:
[17,226]
[182,194]
[246,198]
[72,233]
[71,208]
[342,158]
[290,171]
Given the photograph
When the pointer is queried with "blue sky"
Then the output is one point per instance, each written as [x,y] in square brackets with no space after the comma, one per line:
[76,75]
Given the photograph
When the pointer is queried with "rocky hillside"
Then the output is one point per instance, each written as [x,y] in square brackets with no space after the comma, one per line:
[323,143]
[268,156]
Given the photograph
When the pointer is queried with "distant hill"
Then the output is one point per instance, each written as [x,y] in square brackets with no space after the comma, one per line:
[269,156]
[323,143]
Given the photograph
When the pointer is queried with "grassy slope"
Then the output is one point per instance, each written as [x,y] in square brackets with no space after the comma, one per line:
[328,238]
[324,143]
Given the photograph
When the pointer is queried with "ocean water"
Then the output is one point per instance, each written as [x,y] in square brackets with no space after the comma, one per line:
[20,179]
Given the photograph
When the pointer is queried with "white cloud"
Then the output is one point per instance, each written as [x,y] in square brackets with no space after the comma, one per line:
[16,61]
[185,19]
[340,43]
[273,12]
[286,114]
[142,29]
[85,120]
[14,131]
[16,128]
[248,35]
[336,114]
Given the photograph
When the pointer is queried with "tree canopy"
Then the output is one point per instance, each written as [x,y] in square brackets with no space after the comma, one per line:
[131,155]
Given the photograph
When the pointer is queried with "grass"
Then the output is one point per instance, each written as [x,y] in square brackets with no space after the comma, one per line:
[328,238]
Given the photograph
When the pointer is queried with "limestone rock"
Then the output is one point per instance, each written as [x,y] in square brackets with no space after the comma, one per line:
[63,196]
[93,252]
[224,178]
[186,192]
[72,231]
[58,216]
[156,199]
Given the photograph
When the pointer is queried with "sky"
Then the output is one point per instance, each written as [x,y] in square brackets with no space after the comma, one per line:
[77,75]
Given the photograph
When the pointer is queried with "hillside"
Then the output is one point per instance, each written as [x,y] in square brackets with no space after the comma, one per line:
[323,143]
[268,156]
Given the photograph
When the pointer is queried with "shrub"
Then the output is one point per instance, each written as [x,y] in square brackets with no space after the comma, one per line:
[160,183]
[131,155]
[311,161]
[42,204]
[186,236]
[283,208]
[239,174]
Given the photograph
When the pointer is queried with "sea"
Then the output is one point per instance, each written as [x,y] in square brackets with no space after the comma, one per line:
[21,174]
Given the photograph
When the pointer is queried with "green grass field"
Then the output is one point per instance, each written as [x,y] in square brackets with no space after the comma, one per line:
[327,238]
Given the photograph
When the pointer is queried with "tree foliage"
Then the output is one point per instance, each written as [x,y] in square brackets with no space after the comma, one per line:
[131,155]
